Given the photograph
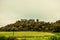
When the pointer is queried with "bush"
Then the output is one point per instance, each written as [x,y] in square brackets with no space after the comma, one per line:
[58,38]
[53,38]
[7,38]
[3,38]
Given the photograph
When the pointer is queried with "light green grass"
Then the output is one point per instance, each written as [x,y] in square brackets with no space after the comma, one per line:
[26,33]
[41,35]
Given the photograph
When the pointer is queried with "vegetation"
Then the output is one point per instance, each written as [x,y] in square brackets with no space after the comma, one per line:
[26,34]
[7,38]
[32,25]
[29,36]
[3,38]
[31,30]
[12,38]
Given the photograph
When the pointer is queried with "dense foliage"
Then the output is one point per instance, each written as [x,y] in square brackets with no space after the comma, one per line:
[32,25]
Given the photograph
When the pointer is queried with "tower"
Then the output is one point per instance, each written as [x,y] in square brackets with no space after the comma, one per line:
[37,20]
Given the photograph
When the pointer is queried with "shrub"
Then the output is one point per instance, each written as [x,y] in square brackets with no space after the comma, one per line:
[3,38]
[58,38]
[53,38]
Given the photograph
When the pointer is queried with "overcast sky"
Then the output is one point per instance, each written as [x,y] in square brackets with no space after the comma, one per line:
[44,10]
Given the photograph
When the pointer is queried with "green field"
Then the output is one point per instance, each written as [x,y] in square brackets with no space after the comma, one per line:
[30,35]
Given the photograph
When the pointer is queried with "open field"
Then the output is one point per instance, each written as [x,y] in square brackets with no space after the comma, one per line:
[26,33]
[30,35]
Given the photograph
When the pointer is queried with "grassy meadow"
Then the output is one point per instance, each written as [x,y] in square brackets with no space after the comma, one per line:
[30,35]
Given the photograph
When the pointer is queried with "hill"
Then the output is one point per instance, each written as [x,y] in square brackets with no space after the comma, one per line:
[32,25]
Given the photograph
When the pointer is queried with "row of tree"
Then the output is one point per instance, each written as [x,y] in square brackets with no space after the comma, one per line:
[32,25]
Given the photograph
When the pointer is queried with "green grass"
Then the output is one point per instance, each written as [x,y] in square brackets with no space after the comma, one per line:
[30,35]
[26,33]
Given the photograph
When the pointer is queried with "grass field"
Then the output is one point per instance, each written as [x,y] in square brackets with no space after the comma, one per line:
[30,35]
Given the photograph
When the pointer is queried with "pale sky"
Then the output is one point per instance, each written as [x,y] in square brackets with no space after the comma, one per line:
[44,10]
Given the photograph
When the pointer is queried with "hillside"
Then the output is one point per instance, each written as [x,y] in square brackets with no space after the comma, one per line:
[32,25]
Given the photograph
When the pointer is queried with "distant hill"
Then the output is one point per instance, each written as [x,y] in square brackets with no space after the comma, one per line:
[32,25]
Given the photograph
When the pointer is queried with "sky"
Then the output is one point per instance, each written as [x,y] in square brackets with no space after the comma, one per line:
[44,10]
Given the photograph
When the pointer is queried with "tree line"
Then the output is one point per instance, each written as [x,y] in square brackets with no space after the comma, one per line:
[32,25]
